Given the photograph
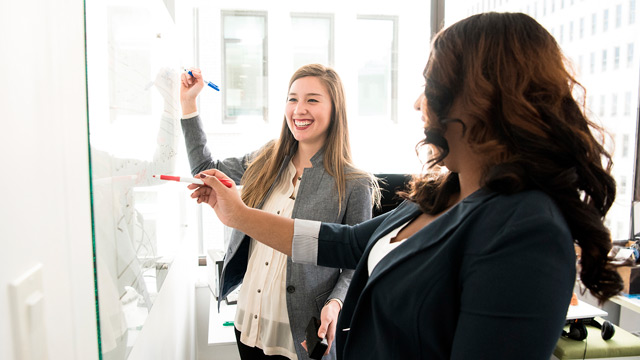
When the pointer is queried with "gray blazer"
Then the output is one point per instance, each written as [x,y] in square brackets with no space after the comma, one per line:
[308,286]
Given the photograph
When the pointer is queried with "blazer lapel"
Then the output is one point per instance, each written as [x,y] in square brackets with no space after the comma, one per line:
[428,236]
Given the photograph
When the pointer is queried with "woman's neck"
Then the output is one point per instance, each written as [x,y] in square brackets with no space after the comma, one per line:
[304,153]
[470,182]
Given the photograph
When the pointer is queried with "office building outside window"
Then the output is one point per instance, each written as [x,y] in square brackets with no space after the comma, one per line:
[571,31]
[618,15]
[245,73]
[625,145]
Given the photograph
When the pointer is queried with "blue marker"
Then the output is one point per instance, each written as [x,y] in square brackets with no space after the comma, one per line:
[208,83]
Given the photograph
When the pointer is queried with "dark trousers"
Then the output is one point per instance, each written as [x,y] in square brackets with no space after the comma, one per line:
[254,353]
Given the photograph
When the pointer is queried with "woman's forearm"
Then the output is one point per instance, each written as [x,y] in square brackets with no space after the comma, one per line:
[270,229]
[188,106]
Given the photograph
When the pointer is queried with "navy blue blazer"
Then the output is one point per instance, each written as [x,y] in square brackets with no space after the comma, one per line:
[491,278]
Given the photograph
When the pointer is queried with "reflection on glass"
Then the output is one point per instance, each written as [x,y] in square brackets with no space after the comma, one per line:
[312,39]
[132,81]
[604,79]
[377,65]
[245,55]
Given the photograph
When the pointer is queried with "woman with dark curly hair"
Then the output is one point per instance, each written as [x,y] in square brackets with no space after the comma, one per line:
[479,261]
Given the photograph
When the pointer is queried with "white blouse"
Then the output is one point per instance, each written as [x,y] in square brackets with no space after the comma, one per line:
[383,247]
[261,315]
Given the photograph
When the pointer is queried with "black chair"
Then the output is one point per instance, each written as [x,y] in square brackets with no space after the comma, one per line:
[390,184]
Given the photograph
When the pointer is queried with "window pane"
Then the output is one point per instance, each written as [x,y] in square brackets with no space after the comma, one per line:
[312,40]
[375,70]
[244,64]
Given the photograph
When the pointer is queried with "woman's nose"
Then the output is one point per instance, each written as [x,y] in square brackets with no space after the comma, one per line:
[300,108]
[419,102]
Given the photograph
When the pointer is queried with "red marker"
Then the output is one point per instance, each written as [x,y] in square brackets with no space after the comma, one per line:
[227,182]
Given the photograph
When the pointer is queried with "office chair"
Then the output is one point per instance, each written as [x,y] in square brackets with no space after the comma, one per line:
[390,184]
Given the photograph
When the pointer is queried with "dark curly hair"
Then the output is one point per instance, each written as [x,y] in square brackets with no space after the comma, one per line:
[509,75]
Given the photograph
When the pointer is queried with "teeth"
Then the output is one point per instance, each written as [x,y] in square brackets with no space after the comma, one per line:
[303,122]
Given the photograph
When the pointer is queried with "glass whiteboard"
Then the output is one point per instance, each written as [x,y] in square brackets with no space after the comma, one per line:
[134,111]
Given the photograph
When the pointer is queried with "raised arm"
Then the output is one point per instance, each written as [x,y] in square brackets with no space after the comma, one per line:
[195,139]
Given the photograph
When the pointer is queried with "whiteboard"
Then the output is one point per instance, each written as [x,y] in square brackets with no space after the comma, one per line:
[139,223]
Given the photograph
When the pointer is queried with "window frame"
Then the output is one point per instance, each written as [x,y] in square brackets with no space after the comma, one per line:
[331,18]
[393,113]
[265,62]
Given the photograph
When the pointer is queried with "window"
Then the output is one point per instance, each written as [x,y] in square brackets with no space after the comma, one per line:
[594,23]
[616,57]
[629,54]
[604,60]
[632,12]
[622,185]
[561,37]
[602,100]
[614,104]
[377,69]
[581,27]
[627,103]
[312,36]
[605,20]
[571,31]
[625,145]
[592,64]
[580,61]
[244,52]
[618,16]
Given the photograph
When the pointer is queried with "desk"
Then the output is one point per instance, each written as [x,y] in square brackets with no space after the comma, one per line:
[629,315]
[629,303]
[214,341]
[584,311]
[219,334]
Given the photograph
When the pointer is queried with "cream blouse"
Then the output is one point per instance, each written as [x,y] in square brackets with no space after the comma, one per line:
[261,315]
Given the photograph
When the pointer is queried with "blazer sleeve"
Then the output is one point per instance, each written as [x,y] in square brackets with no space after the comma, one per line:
[332,245]
[359,208]
[200,158]
[516,291]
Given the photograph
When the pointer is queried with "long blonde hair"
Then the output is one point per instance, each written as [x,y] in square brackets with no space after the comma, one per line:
[263,170]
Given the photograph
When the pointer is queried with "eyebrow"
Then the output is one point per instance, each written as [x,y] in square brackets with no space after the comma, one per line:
[309,94]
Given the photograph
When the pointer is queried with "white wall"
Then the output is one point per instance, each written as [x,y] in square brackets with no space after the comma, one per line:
[45,193]
[45,203]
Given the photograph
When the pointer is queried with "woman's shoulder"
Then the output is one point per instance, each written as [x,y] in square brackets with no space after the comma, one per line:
[527,204]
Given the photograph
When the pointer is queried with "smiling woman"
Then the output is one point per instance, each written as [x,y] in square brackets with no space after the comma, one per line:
[308,112]
[306,173]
